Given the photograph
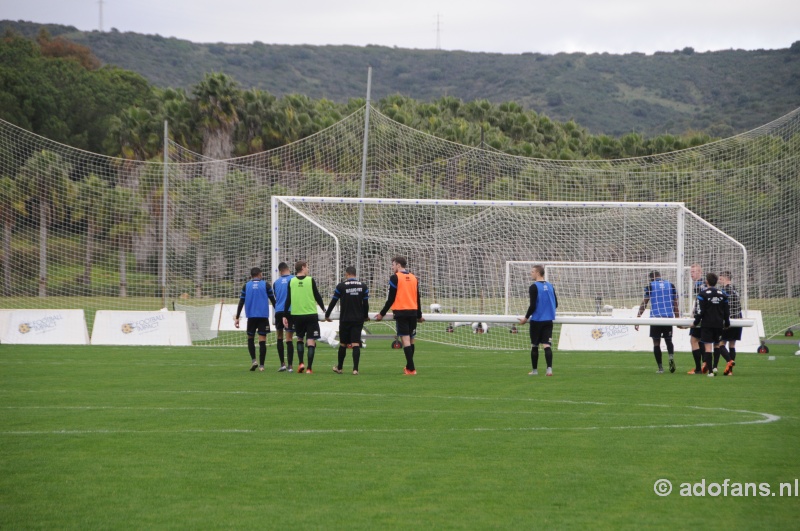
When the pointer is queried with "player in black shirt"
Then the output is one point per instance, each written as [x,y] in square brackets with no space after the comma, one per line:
[713,314]
[353,298]
[733,334]
[698,285]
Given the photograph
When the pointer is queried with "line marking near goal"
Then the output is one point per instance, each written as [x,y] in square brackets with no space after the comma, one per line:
[763,418]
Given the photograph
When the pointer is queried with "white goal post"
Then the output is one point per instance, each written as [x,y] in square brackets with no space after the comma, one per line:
[461,250]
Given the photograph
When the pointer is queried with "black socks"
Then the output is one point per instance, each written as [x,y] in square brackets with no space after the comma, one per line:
[409,352]
[697,359]
[262,352]
[548,356]
[279,347]
[251,347]
[310,355]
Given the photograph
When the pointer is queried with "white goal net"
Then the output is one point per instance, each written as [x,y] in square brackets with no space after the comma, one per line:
[83,230]
[593,288]
[467,254]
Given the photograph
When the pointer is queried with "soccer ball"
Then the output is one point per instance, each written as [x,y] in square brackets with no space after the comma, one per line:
[436,308]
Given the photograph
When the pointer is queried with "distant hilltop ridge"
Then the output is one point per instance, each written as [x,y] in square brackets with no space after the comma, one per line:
[721,93]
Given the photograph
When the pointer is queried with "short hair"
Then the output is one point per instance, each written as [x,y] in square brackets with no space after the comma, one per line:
[539,269]
[350,270]
[401,260]
[654,275]
[726,274]
[283,266]
[711,279]
[255,272]
[299,265]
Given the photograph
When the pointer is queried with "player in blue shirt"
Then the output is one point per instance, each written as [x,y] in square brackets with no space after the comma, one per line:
[281,289]
[664,299]
[541,313]
[255,298]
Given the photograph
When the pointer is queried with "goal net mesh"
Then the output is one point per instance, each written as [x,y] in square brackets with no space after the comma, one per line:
[82,230]
[459,250]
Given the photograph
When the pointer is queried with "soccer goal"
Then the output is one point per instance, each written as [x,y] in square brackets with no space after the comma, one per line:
[597,254]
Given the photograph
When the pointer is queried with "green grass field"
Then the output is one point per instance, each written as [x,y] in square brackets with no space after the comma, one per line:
[155,438]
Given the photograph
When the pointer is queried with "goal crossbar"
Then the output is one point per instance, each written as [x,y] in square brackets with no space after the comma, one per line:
[565,319]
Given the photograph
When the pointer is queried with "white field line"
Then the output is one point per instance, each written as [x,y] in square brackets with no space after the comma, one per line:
[762,418]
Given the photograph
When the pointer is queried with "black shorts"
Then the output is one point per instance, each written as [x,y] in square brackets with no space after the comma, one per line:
[732,334]
[279,321]
[657,332]
[405,326]
[306,326]
[695,333]
[541,332]
[350,332]
[257,324]
[710,335]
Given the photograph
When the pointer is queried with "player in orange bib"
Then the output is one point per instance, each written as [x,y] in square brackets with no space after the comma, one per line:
[404,301]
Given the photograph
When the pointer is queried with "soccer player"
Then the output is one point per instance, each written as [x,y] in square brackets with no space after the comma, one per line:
[713,314]
[732,334]
[404,301]
[696,273]
[664,298]
[353,298]
[541,313]
[281,289]
[255,298]
[302,299]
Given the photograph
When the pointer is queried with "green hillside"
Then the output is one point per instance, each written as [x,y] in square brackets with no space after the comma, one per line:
[722,92]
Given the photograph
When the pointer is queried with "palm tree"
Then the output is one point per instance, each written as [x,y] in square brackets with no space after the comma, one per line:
[12,202]
[257,112]
[45,177]
[127,218]
[136,131]
[217,98]
[177,110]
[89,205]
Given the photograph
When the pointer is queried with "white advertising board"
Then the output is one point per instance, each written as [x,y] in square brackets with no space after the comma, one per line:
[224,322]
[43,327]
[140,328]
[626,338]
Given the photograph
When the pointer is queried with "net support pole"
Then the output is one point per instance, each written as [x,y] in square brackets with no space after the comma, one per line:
[680,258]
[362,189]
[164,218]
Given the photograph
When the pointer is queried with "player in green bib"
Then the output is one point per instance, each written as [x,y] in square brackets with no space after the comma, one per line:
[302,299]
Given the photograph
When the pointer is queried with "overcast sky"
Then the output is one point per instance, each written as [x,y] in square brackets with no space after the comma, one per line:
[505,26]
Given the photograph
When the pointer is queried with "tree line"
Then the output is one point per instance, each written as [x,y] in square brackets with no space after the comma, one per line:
[57,89]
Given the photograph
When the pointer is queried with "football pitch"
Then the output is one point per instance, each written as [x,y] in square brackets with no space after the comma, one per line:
[153,438]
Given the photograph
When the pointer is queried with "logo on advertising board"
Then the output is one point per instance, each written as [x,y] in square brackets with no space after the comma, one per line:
[46,324]
[609,332]
[143,326]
